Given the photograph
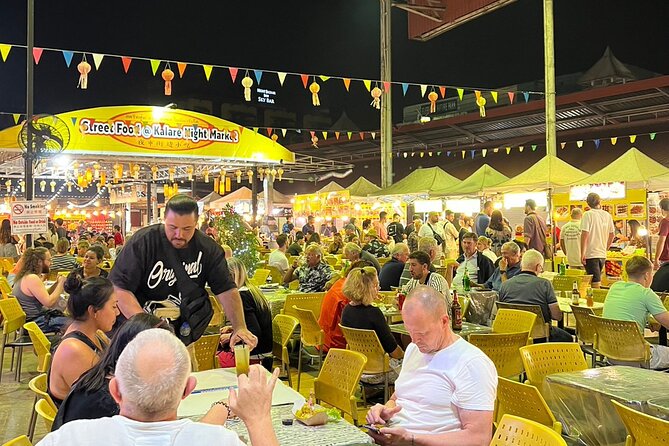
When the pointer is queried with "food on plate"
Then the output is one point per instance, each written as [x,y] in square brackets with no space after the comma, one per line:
[636,209]
[562,211]
[621,210]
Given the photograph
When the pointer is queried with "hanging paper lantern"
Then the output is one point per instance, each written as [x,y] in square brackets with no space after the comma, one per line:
[166,190]
[249,173]
[103,178]
[206,174]
[83,68]
[23,185]
[247,83]
[314,141]
[96,171]
[261,173]
[171,171]
[154,172]
[314,88]
[228,184]
[69,186]
[167,76]
[432,97]
[135,171]
[118,172]
[216,183]
[238,174]
[376,97]
[275,137]
[42,185]
[280,173]
[221,186]
[273,173]
[89,175]
[53,186]
[8,183]
[189,172]
[480,101]
[99,187]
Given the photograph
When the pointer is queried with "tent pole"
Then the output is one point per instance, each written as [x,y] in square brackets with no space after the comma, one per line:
[386,102]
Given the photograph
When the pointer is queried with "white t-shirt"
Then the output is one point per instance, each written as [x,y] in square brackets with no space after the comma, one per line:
[278,259]
[122,431]
[570,238]
[426,231]
[598,224]
[430,385]
[471,265]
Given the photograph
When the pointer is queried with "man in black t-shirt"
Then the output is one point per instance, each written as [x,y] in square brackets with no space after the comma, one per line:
[142,272]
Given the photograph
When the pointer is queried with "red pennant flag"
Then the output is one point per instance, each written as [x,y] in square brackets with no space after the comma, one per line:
[233,73]
[337,135]
[182,67]
[386,86]
[305,79]
[511,96]
[313,133]
[269,131]
[347,83]
[362,136]
[126,61]
[442,91]
[37,54]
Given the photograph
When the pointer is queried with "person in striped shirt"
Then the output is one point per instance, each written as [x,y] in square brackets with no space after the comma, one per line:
[63,260]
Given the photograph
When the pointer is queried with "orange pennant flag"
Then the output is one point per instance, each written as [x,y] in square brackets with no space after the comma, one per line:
[207,70]
[478,94]
[37,54]
[347,83]
[305,79]
[126,61]
[233,73]
[337,135]
[269,131]
[362,135]
[442,91]
[511,96]
[182,68]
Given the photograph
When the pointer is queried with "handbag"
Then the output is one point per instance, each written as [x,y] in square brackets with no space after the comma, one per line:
[195,311]
[437,237]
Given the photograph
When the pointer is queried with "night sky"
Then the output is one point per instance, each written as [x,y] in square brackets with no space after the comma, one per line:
[335,37]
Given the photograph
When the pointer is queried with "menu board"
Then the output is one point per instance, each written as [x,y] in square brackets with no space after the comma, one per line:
[632,206]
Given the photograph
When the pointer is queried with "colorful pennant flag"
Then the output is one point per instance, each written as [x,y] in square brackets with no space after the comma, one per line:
[562,144]
[16,117]
[283,132]
[442,91]
[386,86]
[597,143]
[324,78]
[373,135]
[484,152]
[463,154]
[405,87]
[325,135]
[521,148]
[526,95]
[614,140]
[207,70]
[347,83]
[652,136]
[37,54]
[282,77]
[472,152]
[495,150]
[349,134]
[97,60]
[534,147]
[336,135]
[255,129]
[269,131]
[258,74]
[4,51]
[632,138]
[512,95]
[126,61]
[461,93]
[579,144]
[305,79]
[494,96]
[477,93]
[423,90]
[67,55]
[368,84]
[508,150]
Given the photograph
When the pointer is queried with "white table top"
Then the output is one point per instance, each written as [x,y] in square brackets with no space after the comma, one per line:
[214,385]
[564,303]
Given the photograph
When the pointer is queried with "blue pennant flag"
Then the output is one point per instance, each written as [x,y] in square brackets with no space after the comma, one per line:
[597,142]
[527,96]
[67,55]
[258,74]
[405,87]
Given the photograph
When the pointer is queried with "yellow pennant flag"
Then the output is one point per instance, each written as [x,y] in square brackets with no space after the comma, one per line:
[325,135]
[521,148]
[496,149]
[614,140]
[461,92]
[282,77]
[97,60]
[324,78]
[579,144]
[463,154]
[508,150]
[349,134]
[632,138]
[368,85]
[154,66]
[562,144]
[255,129]
[423,90]
[283,132]
[4,51]
[484,152]
[16,117]
[494,96]
[207,70]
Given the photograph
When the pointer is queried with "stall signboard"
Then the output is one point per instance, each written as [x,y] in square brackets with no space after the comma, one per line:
[423,206]
[127,193]
[631,206]
[606,191]
[29,217]
[160,132]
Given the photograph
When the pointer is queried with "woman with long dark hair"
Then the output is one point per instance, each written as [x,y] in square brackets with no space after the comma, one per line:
[498,232]
[7,241]
[89,397]
[92,305]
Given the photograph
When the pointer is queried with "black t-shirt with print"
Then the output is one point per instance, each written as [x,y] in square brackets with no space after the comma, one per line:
[143,266]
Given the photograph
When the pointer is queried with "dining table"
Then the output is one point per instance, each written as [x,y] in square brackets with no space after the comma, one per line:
[214,385]
[467,329]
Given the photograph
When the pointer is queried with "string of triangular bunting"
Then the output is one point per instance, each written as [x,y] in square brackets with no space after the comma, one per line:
[375,87]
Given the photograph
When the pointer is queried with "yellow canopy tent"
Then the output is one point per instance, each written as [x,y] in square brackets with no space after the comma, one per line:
[635,168]
[420,181]
[548,170]
[484,177]
[330,187]
[362,187]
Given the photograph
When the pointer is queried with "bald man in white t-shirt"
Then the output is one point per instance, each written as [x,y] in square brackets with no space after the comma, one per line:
[445,393]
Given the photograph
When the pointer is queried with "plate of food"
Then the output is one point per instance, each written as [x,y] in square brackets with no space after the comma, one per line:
[637,209]
[621,210]
[309,413]
[562,211]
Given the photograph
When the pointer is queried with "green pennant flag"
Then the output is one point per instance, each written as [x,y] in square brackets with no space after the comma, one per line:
[154,66]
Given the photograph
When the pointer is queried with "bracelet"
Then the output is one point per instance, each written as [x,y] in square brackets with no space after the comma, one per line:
[224,404]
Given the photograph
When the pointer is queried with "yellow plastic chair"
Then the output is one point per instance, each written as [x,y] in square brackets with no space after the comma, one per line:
[306,301]
[541,360]
[503,350]
[585,329]
[275,274]
[523,400]
[331,260]
[338,379]
[513,321]
[13,319]
[41,346]
[218,319]
[642,429]
[566,283]
[260,277]
[573,272]
[38,386]
[367,342]
[5,287]
[621,342]
[540,329]
[516,431]
[283,327]
[599,294]
[311,335]
[294,285]
[19,441]
[46,411]
[203,353]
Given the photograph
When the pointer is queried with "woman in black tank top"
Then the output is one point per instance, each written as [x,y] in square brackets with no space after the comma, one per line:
[92,306]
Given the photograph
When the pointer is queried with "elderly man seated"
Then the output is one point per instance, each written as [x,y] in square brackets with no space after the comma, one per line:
[374,245]
[152,376]
[529,289]
[419,266]
[352,252]
[446,390]
[428,245]
[508,266]
[634,301]
[391,272]
[313,275]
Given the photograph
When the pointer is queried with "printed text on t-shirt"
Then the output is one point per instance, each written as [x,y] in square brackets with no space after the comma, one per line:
[159,272]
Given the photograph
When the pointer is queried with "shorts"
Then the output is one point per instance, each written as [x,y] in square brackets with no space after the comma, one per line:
[595,267]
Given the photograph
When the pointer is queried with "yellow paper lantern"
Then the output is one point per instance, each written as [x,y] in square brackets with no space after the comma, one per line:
[247,83]
[376,97]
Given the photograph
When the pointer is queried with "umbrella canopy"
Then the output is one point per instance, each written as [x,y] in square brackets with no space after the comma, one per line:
[330,187]
[420,181]
[549,169]
[241,194]
[483,178]
[213,196]
[634,167]
[362,187]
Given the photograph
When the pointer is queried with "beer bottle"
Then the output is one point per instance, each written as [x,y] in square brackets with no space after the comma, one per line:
[589,298]
[456,313]
[575,294]
[466,281]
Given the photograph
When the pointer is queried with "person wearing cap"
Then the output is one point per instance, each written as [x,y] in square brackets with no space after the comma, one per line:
[375,246]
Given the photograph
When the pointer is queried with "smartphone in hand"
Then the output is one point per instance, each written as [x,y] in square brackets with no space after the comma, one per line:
[373,428]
